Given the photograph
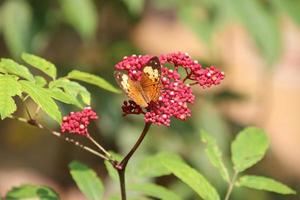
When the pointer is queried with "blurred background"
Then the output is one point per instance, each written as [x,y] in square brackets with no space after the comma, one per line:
[255,42]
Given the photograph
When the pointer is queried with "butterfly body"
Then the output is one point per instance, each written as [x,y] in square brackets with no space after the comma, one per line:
[148,88]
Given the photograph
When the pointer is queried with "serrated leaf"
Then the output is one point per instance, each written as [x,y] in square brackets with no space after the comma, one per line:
[13,67]
[249,147]
[9,87]
[87,180]
[41,64]
[192,178]
[40,81]
[60,95]
[261,25]
[72,88]
[16,19]
[214,154]
[32,192]
[152,167]
[85,21]
[264,183]
[154,190]
[92,79]
[42,98]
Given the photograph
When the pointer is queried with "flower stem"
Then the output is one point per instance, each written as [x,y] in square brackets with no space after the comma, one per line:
[121,167]
[231,184]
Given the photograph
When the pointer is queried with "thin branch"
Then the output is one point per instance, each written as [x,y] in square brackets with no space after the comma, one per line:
[231,185]
[99,146]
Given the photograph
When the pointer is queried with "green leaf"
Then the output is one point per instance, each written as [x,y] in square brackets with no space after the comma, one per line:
[152,167]
[214,154]
[72,88]
[32,192]
[82,15]
[154,190]
[16,24]
[264,183]
[191,177]
[135,6]
[92,79]
[9,87]
[13,67]
[248,148]
[40,81]
[41,64]
[60,95]
[290,7]
[41,97]
[261,25]
[87,180]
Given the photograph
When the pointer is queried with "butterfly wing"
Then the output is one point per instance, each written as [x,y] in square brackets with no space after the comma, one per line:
[132,88]
[150,81]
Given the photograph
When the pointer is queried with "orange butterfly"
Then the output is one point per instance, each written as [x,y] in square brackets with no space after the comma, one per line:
[148,88]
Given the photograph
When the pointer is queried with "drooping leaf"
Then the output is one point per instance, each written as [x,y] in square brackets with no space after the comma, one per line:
[87,180]
[42,98]
[261,25]
[32,192]
[291,8]
[60,95]
[16,19]
[214,154]
[152,167]
[264,183]
[154,190]
[13,67]
[92,79]
[9,87]
[249,147]
[41,64]
[192,178]
[82,15]
[72,88]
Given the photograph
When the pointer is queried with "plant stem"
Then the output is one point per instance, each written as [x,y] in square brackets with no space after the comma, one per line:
[231,185]
[99,146]
[121,167]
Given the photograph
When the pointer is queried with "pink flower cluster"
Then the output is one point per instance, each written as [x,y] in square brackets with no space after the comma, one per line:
[176,93]
[77,122]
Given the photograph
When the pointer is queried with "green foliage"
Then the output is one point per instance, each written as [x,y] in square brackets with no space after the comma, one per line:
[87,180]
[264,183]
[214,154]
[135,6]
[82,15]
[92,79]
[16,21]
[248,148]
[9,87]
[156,191]
[32,192]
[41,64]
[42,97]
[13,67]
[191,177]
[290,8]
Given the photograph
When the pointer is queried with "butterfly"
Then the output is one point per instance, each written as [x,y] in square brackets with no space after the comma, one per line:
[148,88]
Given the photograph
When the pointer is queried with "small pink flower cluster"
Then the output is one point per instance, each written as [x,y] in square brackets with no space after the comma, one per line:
[176,94]
[77,122]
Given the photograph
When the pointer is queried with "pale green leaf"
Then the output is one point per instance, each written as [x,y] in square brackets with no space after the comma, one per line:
[87,180]
[214,154]
[42,98]
[82,15]
[290,7]
[16,19]
[192,178]
[73,88]
[40,81]
[32,192]
[249,147]
[64,97]
[152,167]
[154,190]
[9,87]
[261,25]
[264,183]
[92,79]
[13,67]
[41,64]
